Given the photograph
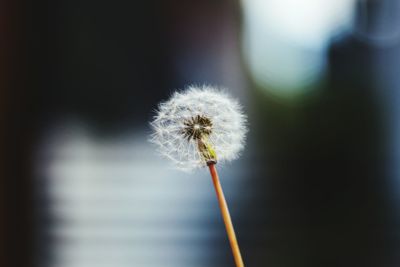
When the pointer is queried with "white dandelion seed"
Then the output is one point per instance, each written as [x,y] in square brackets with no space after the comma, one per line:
[199,126]
[193,129]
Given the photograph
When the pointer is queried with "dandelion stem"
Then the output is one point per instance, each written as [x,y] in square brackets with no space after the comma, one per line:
[226,216]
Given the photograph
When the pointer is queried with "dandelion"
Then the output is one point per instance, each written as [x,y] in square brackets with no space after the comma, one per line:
[197,128]
[197,125]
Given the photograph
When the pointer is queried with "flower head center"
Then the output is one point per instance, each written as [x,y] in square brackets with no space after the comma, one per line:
[197,127]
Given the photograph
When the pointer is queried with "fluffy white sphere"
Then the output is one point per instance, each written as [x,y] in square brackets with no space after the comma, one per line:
[223,122]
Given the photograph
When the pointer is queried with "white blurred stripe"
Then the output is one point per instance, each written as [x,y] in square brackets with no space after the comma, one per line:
[116,203]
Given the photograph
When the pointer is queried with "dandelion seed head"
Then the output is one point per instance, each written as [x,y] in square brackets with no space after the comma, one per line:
[196,120]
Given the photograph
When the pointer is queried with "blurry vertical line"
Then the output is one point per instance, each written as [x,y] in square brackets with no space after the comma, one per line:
[15,135]
[4,35]
[377,28]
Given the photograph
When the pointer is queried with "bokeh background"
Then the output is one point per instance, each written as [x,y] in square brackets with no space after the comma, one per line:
[317,185]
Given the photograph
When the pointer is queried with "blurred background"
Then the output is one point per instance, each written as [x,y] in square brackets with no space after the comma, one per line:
[317,185]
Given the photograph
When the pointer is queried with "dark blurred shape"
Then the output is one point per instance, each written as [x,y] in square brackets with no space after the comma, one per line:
[330,196]
[97,61]
[377,22]
[85,75]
